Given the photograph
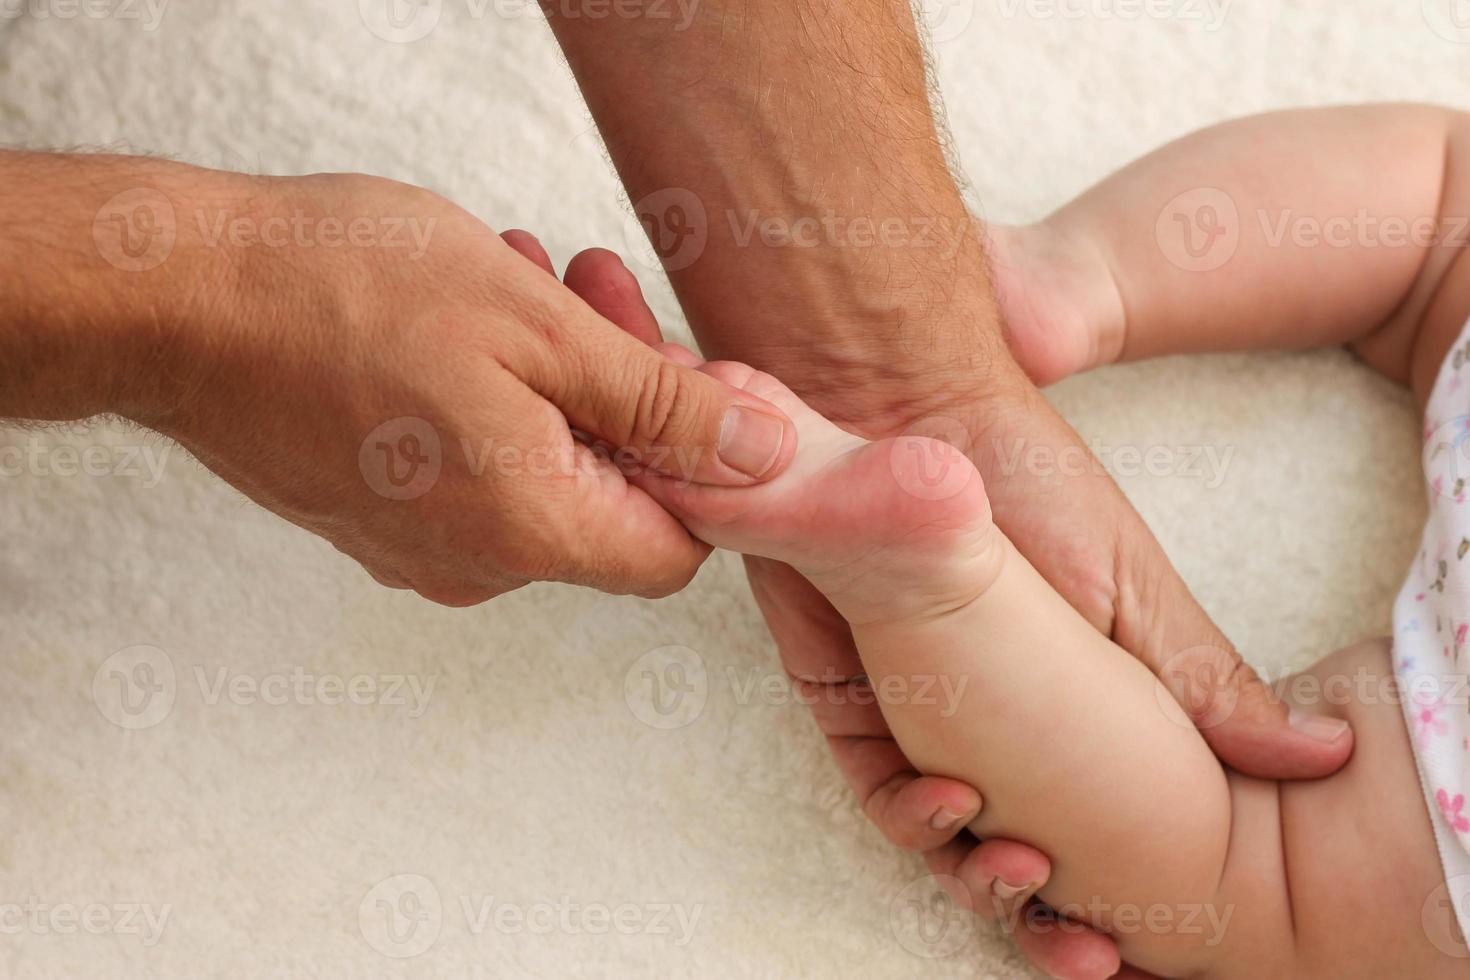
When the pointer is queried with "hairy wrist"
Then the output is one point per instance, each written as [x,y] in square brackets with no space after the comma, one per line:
[872,336]
[795,184]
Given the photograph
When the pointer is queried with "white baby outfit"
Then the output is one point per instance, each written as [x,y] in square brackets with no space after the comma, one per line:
[1430,621]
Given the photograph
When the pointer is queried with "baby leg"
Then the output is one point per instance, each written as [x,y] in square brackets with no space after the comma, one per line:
[987,675]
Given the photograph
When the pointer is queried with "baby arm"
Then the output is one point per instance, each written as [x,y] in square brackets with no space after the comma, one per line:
[1291,230]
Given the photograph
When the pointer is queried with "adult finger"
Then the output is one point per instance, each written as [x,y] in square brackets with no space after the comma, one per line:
[606,285]
[529,246]
[663,415]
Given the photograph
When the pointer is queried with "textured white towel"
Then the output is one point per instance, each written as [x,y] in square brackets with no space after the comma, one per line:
[541,815]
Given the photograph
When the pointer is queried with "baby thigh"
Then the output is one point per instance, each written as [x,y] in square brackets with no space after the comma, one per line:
[1360,858]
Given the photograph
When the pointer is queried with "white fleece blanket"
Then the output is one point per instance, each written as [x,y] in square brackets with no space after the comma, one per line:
[322,778]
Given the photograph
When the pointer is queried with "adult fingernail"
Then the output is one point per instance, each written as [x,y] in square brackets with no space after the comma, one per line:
[944,818]
[750,440]
[1005,891]
[1319,727]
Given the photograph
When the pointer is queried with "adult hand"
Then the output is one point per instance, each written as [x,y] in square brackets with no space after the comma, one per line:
[377,366]
[469,345]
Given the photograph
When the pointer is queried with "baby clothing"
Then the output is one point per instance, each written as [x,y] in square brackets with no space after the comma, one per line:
[1430,621]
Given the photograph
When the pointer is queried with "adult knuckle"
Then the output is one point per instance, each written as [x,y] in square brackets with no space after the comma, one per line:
[539,313]
[664,405]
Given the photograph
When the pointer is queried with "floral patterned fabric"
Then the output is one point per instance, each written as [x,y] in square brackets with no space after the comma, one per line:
[1430,621]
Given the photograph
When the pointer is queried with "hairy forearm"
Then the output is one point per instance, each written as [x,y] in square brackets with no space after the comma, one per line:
[107,274]
[795,139]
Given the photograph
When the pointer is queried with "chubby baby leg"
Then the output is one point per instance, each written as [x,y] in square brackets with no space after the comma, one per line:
[1076,747]
[1369,896]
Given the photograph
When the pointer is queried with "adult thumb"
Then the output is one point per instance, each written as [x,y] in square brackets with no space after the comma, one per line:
[1250,726]
[659,415]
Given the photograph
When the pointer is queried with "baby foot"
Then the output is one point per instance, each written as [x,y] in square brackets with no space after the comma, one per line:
[887,530]
[857,518]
